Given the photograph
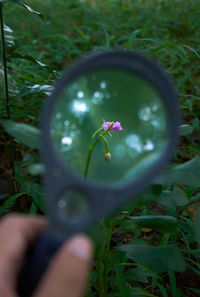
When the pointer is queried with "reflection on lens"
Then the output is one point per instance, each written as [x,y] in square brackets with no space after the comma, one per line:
[110,95]
[73,204]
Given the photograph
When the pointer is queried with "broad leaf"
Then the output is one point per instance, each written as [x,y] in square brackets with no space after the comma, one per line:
[187,173]
[165,224]
[138,274]
[179,196]
[21,3]
[26,134]
[173,198]
[166,199]
[159,258]
[31,59]
[150,194]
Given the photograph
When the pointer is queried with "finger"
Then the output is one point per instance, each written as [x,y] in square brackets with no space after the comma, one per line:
[68,271]
[16,233]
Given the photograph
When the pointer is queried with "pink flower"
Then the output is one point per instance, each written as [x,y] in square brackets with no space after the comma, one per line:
[116,126]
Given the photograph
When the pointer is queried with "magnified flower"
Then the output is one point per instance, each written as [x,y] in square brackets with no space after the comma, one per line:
[98,135]
[116,126]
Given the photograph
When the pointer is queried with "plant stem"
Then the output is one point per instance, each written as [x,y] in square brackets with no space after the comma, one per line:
[92,146]
[6,94]
[90,152]
[87,163]
[103,258]
[106,144]
[107,252]
[6,97]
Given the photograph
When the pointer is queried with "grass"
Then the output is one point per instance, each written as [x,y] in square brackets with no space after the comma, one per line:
[167,31]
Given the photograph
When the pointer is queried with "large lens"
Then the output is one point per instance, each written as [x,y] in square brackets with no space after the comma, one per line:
[110,95]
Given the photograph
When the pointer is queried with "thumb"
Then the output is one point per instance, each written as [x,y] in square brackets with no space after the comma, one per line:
[68,271]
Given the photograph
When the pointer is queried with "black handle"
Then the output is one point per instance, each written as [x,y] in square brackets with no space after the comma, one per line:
[36,263]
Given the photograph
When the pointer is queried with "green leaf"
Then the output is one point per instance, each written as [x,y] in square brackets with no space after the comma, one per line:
[34,190]
[31,59]
[12,86]
[173,198]
[139,292]
[196,124]
[163,290]
[9,37]
[187,173]
[172,280]
[121,282]
[35,89]
[185,129]
[197,227]
[138,274]
[9,201]
[179,196]
[166,199]
[194,290]
[160,259]
[152,193]
[195,198]
[33,210]
[21,3]
[26,134]
[165,224]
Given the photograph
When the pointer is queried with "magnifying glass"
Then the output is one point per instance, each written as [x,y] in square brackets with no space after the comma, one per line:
[108,128]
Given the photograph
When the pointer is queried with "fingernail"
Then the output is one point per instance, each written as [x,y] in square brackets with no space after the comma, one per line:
[80,247]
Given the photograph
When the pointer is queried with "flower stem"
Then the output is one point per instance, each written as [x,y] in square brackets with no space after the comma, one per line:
[106,144]
[93,144]
[90,152]
[87,163]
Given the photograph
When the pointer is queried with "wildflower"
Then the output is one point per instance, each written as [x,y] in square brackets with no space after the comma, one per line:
[116,126]
[98,135]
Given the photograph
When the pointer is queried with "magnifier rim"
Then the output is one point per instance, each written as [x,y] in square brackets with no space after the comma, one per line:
[139,65]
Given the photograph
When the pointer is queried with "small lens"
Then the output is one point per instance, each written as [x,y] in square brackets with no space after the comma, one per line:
[73,204]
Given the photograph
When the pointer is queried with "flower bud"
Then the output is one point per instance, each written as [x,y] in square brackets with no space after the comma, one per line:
[107,156]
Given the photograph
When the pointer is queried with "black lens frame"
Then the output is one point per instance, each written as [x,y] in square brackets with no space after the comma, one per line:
[103,198]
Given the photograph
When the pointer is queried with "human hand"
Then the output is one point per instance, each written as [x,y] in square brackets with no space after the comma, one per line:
[67,273]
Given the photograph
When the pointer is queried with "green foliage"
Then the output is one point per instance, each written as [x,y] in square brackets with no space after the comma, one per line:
[9,202]
[139,249]
[159,258]
[165,224]
[23,133]
[19,2]
[179,174]
[10,39]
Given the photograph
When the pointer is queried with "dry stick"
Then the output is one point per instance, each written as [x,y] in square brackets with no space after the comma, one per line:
[6,94]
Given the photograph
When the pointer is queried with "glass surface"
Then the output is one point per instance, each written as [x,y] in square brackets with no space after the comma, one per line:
[110,95]
[73,204]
